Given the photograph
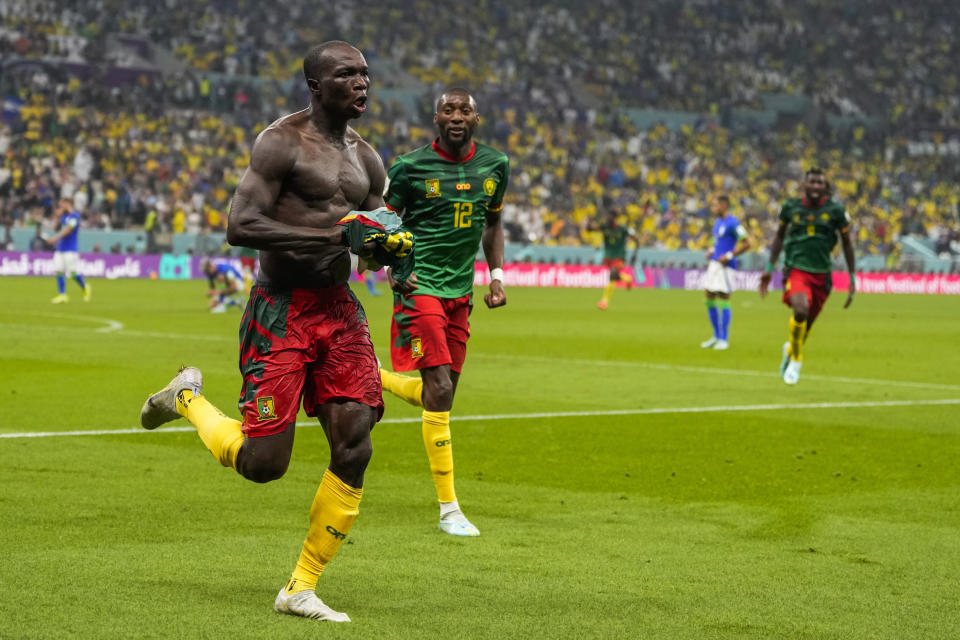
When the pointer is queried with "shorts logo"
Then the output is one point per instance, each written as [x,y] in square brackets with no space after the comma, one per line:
[336,534]
[433,188]
[265,409]
[416,348]
[463,186]
[489,186]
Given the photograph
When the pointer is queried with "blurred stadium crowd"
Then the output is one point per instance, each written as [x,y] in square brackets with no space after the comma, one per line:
[160,146]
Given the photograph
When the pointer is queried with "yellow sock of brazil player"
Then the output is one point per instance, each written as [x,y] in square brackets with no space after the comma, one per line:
[334,510]
[607,290]
[436,439]
[222,435]
[798,331]
[406,388]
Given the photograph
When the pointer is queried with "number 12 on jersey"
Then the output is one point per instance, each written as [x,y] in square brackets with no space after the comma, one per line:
[461,214]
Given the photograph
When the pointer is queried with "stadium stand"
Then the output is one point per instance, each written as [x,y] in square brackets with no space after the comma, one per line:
[145,118]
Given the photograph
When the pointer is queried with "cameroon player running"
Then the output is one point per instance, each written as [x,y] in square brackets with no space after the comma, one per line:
[808,232]
[615,237]
[449,194]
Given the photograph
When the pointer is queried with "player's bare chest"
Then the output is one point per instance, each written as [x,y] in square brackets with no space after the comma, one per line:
[322,173]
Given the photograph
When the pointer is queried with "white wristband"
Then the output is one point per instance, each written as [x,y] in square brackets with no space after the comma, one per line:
[496,274]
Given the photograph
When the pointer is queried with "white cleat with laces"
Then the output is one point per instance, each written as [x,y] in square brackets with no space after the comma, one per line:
[307,605]
[792,373]
[456,524]
[161,407]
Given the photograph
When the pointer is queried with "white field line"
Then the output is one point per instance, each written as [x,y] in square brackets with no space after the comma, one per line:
[552,414]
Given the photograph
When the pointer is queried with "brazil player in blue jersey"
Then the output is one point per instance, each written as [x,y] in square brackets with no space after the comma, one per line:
[65,257]
[729,241]
[227,285]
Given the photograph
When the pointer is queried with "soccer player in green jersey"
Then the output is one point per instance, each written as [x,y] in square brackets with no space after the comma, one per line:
[615,237]
[808,231]
[450,194]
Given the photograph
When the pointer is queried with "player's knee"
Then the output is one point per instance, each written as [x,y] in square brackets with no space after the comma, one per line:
[352,457]
[262,469]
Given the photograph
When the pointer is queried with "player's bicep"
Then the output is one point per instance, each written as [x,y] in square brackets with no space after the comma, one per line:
[272,159]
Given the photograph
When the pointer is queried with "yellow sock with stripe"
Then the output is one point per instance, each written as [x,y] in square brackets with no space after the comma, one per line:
[334,510]
[223,436]
[798,331]
[406,388]
[436,439]
[607,290]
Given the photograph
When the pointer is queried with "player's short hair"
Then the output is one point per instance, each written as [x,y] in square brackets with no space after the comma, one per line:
[314,60]
[454,90]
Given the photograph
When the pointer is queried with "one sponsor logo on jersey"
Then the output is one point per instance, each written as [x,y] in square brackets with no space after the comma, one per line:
[336,534]
[489,186]
[433,188]
[442,443]
[416,348]
[463,186]
[265,408]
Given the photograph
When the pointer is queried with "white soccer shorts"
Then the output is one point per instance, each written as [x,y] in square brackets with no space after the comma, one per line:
[719,278]
[66,262]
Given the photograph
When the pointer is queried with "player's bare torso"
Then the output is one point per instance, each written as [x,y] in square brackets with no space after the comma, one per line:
[328,179]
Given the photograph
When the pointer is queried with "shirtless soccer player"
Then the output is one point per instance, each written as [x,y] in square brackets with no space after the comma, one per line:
[303,336]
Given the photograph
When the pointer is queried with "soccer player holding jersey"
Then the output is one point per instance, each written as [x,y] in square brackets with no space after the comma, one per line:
[730,240]
[65,257]
[808,232]
[449,194]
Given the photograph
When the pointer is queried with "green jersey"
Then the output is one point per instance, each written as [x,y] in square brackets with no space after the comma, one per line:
[615,242]
[445,202]
[812,233]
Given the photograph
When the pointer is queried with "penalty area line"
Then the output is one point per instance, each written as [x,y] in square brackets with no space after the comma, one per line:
[551,414]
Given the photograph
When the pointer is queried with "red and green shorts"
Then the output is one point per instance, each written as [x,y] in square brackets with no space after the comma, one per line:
[615,265]
[815,286]
[309,346]
[429,332]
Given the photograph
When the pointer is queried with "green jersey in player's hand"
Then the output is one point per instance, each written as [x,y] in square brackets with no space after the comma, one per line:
[812,233]
[444,202]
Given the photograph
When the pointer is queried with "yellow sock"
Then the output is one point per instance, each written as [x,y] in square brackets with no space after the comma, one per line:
[436,439]
[406,388]
[222,435]
[607,290]
[798,331]
[335,508]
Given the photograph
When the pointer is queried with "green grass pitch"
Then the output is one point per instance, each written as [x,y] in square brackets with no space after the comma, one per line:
[627,484]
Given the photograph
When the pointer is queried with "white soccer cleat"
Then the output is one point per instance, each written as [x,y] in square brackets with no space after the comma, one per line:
[785,360]
[792,372]
[706,344]
[308,605]
[161,407]
[721,345]
[456,524]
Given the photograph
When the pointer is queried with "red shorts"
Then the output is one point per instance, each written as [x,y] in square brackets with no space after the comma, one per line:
[815,286]
[303,345]
[429,332]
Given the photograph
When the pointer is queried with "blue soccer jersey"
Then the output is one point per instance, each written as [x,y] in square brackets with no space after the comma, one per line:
[727,232]
[69,241]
